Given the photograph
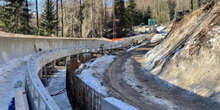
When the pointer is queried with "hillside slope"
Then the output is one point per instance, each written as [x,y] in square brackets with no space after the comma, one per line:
[190,56]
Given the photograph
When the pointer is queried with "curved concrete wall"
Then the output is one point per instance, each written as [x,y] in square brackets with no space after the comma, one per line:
[17,45]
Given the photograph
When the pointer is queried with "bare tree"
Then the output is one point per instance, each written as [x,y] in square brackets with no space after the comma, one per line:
[191,1]
[198,3]
[92,17]
[81,22]
[62,18]
[57,17]
[114,24]
[37,17]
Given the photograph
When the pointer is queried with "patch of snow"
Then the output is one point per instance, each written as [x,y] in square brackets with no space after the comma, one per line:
[212,41]
[11,78]
[94,71]
[156,38]
[217,29]
[56,85]
[129,77]
[131,80]
[134,47]
[14,63]
[160,28]
[167,103]
[119,104]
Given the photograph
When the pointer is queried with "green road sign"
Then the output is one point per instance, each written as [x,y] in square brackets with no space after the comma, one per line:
[151,22]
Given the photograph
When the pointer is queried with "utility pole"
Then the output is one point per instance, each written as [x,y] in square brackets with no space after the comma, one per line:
[37,18]
[62,18]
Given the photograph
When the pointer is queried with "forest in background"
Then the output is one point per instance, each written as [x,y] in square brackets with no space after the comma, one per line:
[88,18]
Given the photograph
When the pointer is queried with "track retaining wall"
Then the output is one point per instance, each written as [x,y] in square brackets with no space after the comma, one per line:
[45,50]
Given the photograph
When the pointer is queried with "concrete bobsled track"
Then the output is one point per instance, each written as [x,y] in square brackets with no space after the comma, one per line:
[15,45]
[44,50]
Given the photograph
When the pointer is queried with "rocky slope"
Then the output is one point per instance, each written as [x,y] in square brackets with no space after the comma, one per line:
[190,56]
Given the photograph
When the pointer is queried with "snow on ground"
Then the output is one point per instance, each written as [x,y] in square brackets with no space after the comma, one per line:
[92,72]
[131,80]
[160,28]
[119,104]
[134,47]
[57,88]
[11,77]
[156,38]
[215,34]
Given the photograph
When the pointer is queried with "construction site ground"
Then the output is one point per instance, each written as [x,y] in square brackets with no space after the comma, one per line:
[130,82]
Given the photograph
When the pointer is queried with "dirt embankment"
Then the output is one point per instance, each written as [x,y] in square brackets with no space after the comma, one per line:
[190,56]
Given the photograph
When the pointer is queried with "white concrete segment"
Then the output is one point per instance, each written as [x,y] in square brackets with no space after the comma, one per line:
[21,102]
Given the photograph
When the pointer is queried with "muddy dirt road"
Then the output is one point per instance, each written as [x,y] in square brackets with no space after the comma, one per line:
[130,82]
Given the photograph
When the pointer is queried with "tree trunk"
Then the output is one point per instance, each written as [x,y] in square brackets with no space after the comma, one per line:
[62,18]
[92,17]
[105,12]
[72,27]
[57,17]
[198,3]
[114,24]
[191,5]
[26,6]
[16,19]
[37,17]
[80,3]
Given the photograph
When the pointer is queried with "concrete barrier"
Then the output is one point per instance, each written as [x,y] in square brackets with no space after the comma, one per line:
[17,45]
[21,102]
[44,50]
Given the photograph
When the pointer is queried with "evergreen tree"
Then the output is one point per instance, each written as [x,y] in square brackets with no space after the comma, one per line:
[148,15]
[48,21]
[1,16]
[120,17]
[172,7]
[131,14]
[37,16]
[140,18]
[16,16]
[25,27]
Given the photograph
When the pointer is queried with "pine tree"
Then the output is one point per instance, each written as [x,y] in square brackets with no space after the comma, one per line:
[1,17]
[49,21]
[37,16]
[25,27]
[172,7]
[120,20]
[16,16]
[131,13]
[148,15]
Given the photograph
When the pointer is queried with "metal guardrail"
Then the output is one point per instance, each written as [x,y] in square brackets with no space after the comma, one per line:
[38,96]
